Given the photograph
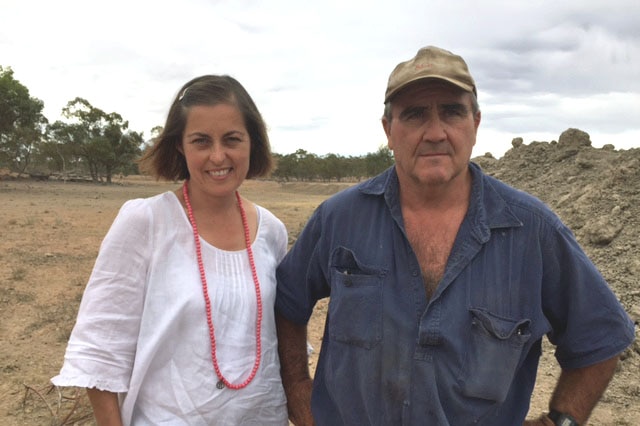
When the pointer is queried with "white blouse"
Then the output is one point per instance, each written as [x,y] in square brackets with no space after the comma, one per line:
[142,331]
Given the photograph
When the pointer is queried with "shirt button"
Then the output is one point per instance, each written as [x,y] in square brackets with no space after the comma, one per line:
[348,282]
[414,273]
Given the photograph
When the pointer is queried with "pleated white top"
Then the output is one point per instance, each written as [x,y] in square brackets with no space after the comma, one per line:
[142,332]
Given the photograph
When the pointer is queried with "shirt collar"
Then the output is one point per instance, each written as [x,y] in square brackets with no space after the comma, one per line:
[378,185]
[487,208]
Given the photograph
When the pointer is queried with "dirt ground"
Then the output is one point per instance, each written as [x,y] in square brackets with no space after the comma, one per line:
[51,231]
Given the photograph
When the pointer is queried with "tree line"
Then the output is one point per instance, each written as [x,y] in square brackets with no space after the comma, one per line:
[304,166]
[100,145]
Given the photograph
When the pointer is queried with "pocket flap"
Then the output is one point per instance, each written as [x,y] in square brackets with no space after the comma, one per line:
[499,327]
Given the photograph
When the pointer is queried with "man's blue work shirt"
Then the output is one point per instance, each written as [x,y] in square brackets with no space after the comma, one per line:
[469,355]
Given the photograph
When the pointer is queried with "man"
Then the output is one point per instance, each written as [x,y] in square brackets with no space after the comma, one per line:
[442,283]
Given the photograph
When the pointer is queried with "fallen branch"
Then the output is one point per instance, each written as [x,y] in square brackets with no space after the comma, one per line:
[77,413]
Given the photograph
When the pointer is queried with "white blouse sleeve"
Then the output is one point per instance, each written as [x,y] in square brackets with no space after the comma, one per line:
[102,346]
[278,232]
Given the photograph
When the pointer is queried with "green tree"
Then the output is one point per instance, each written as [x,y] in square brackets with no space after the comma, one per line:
[63,149]
[376,162]
[284,166]
[307,165]
[334,167]
[302,165]
[356,167]
[102,140]
[22,124]
[156,132]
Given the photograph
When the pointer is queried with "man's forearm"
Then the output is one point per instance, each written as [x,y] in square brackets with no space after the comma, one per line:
[578,391]
[294,369]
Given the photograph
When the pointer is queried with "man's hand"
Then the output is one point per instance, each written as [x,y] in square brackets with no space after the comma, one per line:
[299,403]
[543,420]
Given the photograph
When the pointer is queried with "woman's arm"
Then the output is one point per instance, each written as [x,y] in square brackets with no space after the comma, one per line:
[105,405]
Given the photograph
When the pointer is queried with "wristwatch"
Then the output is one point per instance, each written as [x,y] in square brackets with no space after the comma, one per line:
[562,419]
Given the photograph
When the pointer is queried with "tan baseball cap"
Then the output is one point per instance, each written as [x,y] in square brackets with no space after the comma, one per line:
[431,62]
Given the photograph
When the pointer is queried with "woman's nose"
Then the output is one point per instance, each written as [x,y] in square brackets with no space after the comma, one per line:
[217,153]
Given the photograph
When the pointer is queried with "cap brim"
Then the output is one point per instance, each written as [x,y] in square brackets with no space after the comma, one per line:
[457,83]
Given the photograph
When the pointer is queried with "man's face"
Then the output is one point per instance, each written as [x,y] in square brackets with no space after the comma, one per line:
[432,133]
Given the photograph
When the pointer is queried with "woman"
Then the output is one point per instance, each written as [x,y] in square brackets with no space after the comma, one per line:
[176,326]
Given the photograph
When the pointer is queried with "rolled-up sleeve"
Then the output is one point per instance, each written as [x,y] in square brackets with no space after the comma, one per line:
[102,346]
[589,324]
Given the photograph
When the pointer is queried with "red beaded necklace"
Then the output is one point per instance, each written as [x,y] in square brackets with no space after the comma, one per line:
[247,238]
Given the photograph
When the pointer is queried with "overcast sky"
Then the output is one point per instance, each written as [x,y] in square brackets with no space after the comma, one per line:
[318,70]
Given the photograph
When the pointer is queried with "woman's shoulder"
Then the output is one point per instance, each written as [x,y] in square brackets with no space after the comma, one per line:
[266,214]
[270,225]
[160,200]
[144,209]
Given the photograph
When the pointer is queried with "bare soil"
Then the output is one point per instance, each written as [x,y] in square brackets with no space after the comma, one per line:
[51,232]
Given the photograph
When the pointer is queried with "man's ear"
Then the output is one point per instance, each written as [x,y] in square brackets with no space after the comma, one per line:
[477,117]
[386,125]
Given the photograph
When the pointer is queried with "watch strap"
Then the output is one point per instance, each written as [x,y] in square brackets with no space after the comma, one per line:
[562,419]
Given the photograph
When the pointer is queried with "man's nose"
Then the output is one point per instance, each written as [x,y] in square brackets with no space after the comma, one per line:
[433,129]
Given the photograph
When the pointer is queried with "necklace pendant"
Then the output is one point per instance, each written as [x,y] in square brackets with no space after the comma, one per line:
[220,384]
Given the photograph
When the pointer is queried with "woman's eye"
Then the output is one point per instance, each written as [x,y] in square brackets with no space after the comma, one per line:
[200,142]
[233,139]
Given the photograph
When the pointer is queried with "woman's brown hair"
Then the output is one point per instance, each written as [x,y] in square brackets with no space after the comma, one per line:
[165,161]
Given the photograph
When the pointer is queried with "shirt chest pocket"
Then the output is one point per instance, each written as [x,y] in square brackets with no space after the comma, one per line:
[493,354]
[355,305]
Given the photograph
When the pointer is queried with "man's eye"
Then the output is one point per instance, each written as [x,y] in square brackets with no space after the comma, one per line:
[454,111]
[413,114]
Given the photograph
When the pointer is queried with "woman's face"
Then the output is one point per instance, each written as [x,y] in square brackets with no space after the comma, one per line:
[217,149]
